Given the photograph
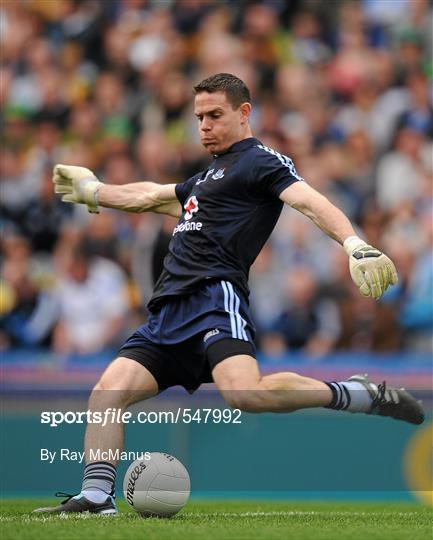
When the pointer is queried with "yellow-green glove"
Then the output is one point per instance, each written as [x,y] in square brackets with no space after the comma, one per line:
[78,185]
[371,270]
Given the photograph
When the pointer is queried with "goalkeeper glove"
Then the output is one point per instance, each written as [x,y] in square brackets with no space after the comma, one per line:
[371,270]
[78,185]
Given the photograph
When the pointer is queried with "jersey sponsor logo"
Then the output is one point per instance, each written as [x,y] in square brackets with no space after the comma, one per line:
[191,207]
[188,226]
[211,333]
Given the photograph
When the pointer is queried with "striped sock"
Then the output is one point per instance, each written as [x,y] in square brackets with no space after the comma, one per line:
[98,481]
[349,396]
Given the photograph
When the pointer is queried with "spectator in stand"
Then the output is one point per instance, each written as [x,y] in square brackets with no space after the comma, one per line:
[44,217]
[267,288]
[412,300]
[92,305]
[26,312]
[399,172]
[307,323]
[18,187]
[416,316]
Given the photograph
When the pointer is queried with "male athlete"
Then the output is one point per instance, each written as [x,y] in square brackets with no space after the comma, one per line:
[199,328]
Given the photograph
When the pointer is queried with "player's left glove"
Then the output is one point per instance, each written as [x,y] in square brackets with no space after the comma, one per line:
[78,185]
[371,270]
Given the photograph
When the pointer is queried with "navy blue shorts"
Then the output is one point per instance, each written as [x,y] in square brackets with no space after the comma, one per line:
[188,335]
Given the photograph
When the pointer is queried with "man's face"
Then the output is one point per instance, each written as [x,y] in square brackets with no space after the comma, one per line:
[219,124]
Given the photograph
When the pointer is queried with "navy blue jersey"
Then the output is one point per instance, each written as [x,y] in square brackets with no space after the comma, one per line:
[229,211]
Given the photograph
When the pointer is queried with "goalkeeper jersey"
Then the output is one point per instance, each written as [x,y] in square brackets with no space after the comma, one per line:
[229,211]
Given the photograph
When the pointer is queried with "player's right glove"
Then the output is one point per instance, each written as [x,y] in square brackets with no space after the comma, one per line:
[78,185]
[371,270]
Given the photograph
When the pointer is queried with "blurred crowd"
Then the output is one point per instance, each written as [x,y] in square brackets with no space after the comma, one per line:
[342,87]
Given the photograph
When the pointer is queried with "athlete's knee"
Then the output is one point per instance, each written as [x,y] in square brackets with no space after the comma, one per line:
[106,393]
[105,384]
[123,383]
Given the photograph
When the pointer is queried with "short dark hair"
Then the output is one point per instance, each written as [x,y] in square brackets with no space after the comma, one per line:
[234,88]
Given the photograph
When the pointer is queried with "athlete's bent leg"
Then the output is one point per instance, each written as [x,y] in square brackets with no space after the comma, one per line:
[239,380]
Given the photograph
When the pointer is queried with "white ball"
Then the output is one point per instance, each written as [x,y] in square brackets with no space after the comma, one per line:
[159,486]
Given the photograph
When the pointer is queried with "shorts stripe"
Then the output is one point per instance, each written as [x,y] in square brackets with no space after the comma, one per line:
[229,309]
[231,305]
[240,321]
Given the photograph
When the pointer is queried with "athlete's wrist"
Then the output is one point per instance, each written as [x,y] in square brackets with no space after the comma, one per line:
[352,243]
[89,189]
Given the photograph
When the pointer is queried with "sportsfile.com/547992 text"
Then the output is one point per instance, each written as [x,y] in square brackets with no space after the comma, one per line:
[119,416]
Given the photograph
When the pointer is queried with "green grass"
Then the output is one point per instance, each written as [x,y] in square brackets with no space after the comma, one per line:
[226,520]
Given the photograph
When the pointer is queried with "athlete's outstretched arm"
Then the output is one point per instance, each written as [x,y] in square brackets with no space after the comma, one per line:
[141,197]
[371,270]
[80,185]
[325,215]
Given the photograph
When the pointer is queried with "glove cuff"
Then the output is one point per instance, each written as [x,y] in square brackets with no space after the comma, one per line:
[89,188]
[352,243]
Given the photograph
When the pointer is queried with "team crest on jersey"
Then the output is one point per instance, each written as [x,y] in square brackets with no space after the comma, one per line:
[205,178]
[191,207]
[219,174]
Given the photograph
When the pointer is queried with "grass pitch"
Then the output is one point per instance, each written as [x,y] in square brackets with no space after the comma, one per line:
[226,520]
